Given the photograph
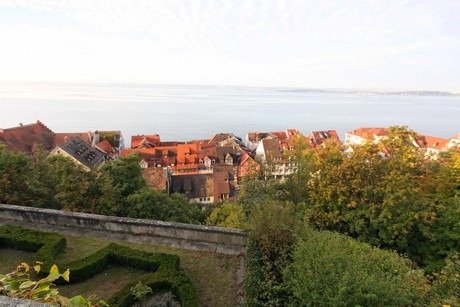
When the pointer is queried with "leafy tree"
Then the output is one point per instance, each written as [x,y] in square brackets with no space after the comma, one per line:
[274,232]
[14,171]
[125,174]
[228,214]
[158,205]
[330,269]
[56,182]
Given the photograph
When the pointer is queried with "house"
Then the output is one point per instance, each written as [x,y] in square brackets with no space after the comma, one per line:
[247,168]
[198,188]
[453,142]
[253,139]
[430,145]
[317,138]
[361,135]
[270,154]
[145,141]
[224,188]
[81,153]
[28,138]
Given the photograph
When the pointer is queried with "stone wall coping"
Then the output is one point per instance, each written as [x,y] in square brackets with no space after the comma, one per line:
[127,220]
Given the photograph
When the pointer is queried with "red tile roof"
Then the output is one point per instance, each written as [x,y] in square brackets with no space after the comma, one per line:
[319,137]
[63,137]
[369,132]
[145,141]
[24,137]
[425,141]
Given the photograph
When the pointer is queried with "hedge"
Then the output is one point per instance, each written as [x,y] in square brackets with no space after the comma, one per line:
[47,245]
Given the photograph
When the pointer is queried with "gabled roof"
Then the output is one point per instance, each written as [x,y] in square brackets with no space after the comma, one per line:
[106,148]
[219,137]
[63,137]
[272,148]
[369,132]
[82,152]
[145,141]
[430,142]
[246,157]
[319,137]
[24,137]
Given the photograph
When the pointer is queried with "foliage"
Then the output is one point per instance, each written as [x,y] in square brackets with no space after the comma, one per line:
[274,232]
[158,205]
[446,284]
[125,174]
[330,269]
[18,284]
[228,214]
[141,291]
[14,170]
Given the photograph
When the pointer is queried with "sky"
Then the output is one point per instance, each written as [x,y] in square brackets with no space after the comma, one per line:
[401,45]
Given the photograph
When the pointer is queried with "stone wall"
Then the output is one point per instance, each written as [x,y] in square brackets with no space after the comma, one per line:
[197,237]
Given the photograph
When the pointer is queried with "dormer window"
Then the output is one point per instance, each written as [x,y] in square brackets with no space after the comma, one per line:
[201,161]
[213,161]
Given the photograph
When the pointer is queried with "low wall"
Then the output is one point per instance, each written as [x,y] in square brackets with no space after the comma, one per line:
[217,239]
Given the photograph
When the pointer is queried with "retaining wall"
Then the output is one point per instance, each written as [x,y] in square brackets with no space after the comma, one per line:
[217,239]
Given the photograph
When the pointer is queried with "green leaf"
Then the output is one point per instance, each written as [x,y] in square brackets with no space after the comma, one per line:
[54,270]
[77,301]
[37,268]
[27,284]
[66,275]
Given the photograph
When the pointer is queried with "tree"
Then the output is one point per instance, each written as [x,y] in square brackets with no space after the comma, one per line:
[125,174]
[14,171]
[330,269]
[158,205]
[228,214]
[56,182]
[274,231]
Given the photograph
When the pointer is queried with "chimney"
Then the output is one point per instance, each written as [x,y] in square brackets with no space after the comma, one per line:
[20,124]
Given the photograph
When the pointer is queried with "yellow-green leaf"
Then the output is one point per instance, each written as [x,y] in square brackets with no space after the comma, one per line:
[37,268]
[66,275]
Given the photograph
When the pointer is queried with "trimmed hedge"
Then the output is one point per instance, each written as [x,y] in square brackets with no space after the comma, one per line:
[47,245]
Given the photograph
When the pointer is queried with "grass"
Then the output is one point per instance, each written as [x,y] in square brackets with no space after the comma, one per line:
[214,275]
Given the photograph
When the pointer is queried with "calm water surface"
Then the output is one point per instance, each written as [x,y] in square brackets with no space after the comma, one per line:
[196,112]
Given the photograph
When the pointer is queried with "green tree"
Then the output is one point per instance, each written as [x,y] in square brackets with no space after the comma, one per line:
[330,269]
[56,182]
[125,174]
[228,214]
[158,205]
[274,232]
[14,171]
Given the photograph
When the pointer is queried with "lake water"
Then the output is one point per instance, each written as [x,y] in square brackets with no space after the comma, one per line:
[195,112]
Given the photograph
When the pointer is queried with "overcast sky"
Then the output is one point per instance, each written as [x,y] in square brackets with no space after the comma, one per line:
[314,44]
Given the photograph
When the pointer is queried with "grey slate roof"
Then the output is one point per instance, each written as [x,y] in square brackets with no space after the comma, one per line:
[83,152]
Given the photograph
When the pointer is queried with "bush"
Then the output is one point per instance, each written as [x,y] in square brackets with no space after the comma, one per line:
[330,269]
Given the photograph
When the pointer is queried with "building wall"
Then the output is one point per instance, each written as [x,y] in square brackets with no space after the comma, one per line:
[197,237]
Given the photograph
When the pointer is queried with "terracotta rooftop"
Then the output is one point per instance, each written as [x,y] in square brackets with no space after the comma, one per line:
[24,138]
[369,132]
[145,141]
[319,137]
[425,141]
[272,148]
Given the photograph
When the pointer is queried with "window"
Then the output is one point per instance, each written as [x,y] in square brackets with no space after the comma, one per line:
[213,161]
